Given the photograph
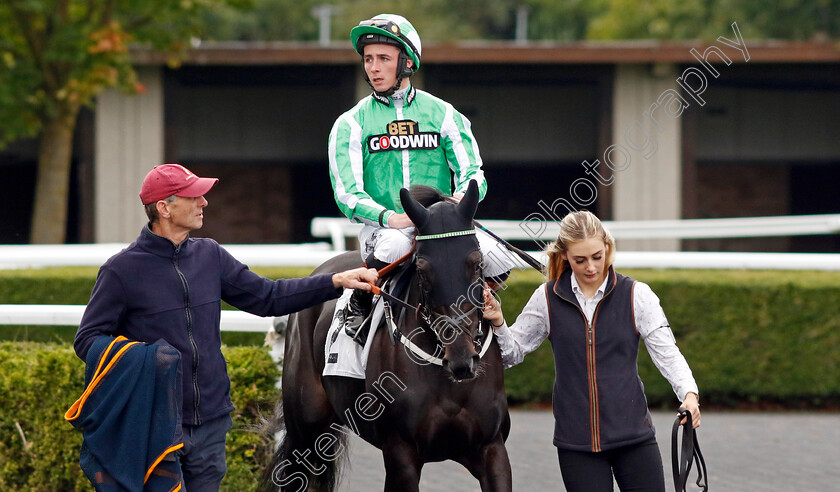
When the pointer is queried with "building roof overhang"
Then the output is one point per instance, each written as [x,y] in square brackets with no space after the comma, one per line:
[502,52]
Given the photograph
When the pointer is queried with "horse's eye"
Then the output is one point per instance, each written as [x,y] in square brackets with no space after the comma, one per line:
[475,271]
[424,277]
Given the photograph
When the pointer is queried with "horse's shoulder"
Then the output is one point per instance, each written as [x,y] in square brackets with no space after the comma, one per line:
[345,261]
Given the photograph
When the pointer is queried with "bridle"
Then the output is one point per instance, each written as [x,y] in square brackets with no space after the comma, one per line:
[431,318]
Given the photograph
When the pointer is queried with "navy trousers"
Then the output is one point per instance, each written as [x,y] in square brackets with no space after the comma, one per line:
[636,468]
[202,458]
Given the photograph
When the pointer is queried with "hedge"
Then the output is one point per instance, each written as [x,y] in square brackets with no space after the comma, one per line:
[39,450]
[73,285]
[749,336]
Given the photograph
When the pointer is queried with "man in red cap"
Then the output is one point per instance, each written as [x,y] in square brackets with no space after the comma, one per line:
[168,285]
[174,200]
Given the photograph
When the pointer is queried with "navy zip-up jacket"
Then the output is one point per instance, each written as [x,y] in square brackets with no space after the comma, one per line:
[155,289]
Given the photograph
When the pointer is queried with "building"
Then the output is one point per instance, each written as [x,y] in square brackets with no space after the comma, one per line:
[631,130]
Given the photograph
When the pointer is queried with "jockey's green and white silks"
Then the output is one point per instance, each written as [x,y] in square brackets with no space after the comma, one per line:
[378,147]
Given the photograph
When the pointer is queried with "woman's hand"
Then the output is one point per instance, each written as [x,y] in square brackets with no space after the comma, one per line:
[692,404]
[493,309]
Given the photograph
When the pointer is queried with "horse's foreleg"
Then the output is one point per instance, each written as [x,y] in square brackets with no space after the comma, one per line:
[492,468]
[402,467]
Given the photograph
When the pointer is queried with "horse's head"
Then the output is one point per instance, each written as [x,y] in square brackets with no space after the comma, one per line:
[449,268]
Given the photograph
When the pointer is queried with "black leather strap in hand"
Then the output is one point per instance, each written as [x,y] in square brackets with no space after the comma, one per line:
[682,457]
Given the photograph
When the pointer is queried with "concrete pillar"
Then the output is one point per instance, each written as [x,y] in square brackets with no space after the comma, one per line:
[647,160]
[129,142]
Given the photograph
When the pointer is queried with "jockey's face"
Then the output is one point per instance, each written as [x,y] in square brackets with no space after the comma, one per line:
[381,61]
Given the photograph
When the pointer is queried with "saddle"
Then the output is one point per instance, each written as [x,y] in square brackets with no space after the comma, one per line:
[345,356]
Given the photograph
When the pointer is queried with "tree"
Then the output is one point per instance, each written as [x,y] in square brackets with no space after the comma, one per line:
[707,19]
[56,56]
[436,20]
[562,20]
[266,20]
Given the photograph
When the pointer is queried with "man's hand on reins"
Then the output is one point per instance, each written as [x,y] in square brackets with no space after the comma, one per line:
[359,278]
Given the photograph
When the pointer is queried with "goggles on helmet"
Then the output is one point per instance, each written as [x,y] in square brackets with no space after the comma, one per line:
[391,28]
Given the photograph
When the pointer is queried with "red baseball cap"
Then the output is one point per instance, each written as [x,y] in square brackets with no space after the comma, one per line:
[173,179]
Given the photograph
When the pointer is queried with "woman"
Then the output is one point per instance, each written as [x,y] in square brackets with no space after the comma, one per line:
[593,318]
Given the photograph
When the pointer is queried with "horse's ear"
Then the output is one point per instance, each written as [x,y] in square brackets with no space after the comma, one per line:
[416,212]
[469,204]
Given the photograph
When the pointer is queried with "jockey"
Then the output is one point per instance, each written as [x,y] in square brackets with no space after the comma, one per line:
[397,137]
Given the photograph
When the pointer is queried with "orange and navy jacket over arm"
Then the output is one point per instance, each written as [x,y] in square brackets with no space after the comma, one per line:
[130,416]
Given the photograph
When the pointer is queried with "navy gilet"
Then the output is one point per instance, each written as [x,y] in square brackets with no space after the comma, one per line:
[598,398]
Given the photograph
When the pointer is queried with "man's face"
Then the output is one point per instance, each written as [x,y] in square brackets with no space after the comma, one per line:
[381,65]
[187,214]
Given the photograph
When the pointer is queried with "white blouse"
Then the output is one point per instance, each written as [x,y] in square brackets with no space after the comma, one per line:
[532,327]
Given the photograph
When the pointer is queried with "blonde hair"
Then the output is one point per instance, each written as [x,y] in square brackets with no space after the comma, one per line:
[576,227]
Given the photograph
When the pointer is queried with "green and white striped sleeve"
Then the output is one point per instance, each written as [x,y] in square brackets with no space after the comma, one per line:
[462,151]
[346,173]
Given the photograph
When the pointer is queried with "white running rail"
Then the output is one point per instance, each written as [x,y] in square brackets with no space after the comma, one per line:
[71,315]
[540,230]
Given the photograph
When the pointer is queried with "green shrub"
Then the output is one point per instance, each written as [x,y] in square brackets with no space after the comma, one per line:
[39,382]
[73,285]
[749,336]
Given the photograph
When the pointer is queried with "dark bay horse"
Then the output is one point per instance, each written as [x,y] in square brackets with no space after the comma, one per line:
[416,412]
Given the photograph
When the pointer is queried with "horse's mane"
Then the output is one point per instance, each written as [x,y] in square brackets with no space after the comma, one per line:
[426,195]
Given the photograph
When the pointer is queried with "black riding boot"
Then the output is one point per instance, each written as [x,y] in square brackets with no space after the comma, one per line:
[358,307]
[355,313]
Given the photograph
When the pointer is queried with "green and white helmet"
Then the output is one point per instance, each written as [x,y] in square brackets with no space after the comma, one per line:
[387,28]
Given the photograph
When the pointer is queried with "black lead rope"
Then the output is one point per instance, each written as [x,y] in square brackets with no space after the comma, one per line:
[682,458]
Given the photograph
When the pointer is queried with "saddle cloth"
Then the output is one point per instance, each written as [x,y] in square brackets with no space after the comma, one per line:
[343,356]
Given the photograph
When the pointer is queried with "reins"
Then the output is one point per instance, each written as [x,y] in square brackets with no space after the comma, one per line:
[528,259]
[682,458]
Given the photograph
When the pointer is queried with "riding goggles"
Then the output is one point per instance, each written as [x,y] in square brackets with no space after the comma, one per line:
[391,28]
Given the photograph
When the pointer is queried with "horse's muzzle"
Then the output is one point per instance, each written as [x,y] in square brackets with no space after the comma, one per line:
[462,370]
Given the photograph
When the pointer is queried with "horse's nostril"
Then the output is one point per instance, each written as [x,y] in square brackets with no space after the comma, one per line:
[463,371]
[464,374]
